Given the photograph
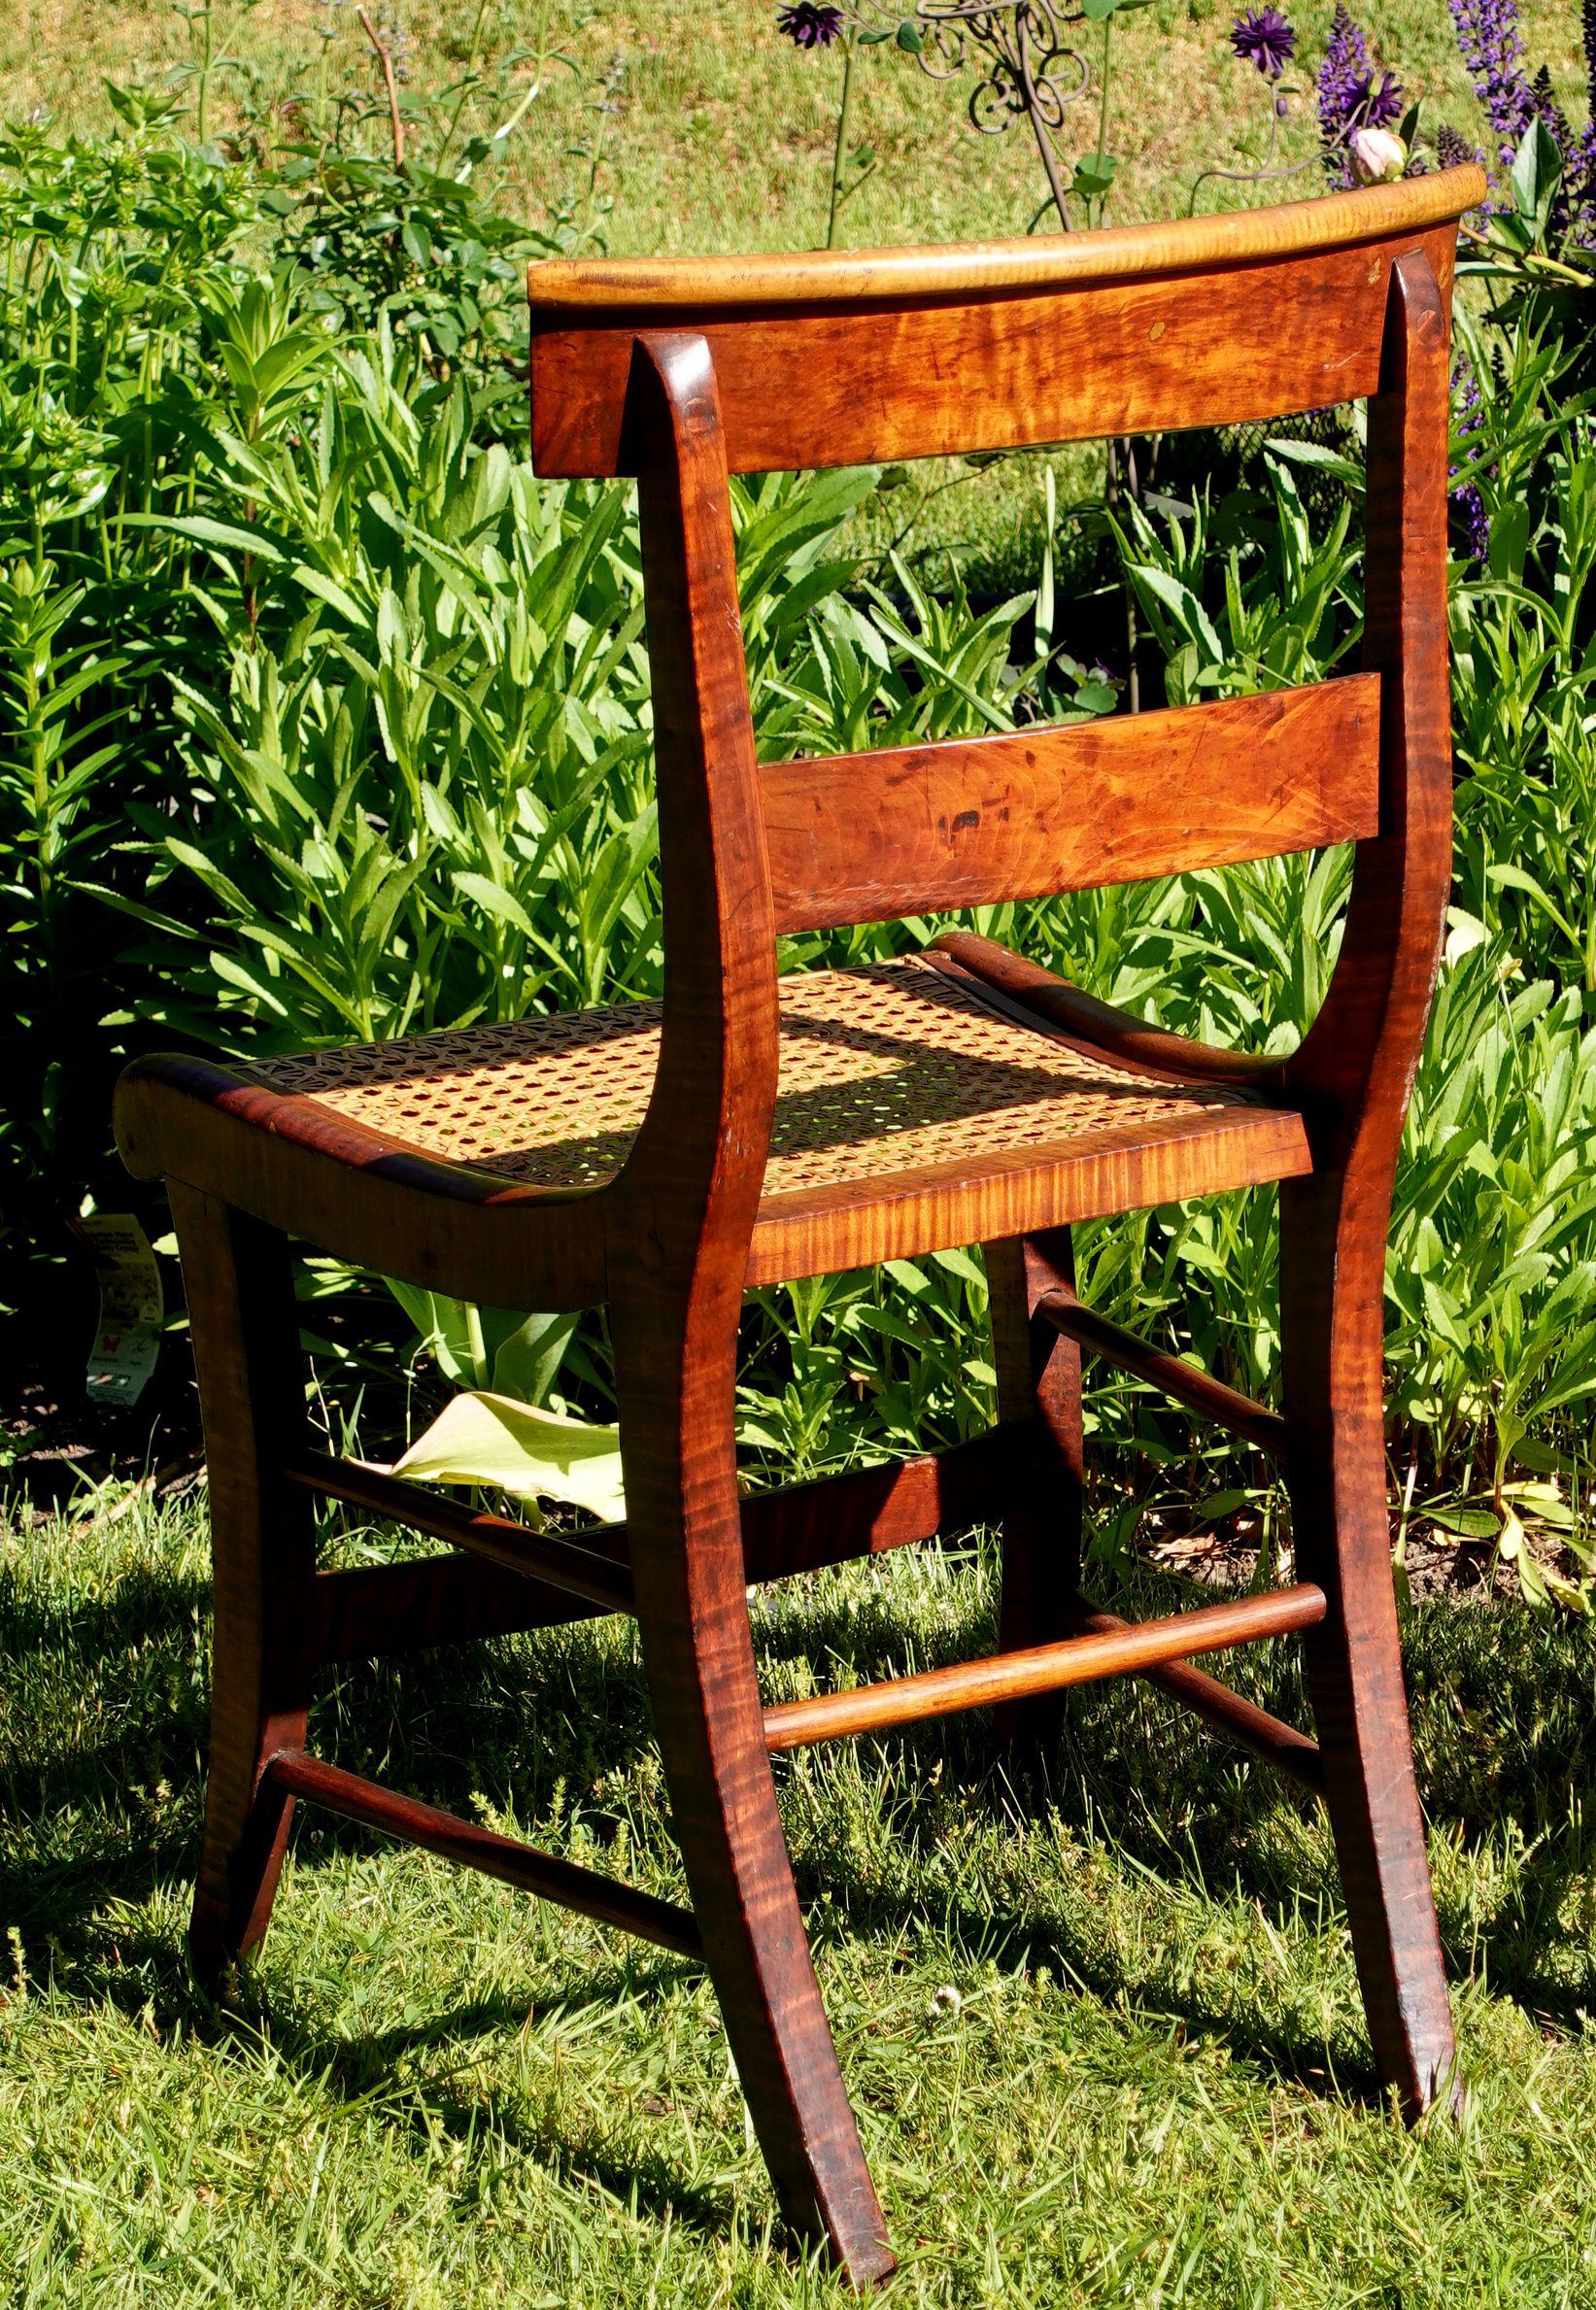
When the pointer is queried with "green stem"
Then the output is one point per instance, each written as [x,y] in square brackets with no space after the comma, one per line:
[466,82]
[205,55]
[1102,106]
[839,154]
[478,1345]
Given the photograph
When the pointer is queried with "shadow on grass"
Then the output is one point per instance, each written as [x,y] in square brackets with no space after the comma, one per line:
[149,1978]
[1505,1709]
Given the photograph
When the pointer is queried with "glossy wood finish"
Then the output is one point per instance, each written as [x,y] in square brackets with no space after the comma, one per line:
[1026,1191]
[829,361]
[597,287]
[836,1518]
[1353,1075]
[813,381]
[1198,1390]
[245,1334]
[442,1600]
[555,1560]
[1025,813]
[802,1528]
[372,1609]
[356,1193]
[1236,1720]
[499,1241]
[297,1775]
[1046,1667]
[1039,1385]
[1025,991]
[678,1251]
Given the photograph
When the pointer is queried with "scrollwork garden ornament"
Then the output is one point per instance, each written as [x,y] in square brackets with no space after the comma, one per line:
[1027,69]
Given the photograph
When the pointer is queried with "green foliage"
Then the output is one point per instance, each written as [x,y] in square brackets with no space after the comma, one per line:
[170,322]
[1493,1267]
[1524,661]
[1287,610]
[326,719]
[421,797]
[109,251]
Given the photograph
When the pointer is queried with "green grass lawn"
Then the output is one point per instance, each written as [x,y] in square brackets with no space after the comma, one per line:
[1105,2044]
[720,132]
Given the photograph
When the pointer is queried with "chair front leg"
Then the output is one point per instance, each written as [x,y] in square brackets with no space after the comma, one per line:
[1038,1384]
[246,1336]
[675,1397]
[1331,1291]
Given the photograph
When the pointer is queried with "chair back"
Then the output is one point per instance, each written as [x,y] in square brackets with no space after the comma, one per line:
[683,371]
[850,359]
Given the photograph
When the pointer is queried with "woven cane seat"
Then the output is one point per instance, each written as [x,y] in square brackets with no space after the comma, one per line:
[888,1068]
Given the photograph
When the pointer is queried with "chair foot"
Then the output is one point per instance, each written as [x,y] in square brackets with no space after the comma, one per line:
[692,1607]
[1331,1326]
[1354,1666]
[239,1866]
[246,1338]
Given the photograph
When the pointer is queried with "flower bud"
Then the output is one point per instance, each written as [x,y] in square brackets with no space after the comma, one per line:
[1377,156]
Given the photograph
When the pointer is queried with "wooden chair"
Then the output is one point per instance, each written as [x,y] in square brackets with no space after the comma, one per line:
[662,1158]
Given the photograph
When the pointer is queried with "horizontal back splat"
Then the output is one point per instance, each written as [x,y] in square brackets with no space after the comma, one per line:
[1023,814]
[825,361]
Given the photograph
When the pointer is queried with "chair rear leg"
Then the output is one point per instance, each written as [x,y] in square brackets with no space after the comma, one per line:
[246,1335]
[1038,1383]
[686,1544]
[1331,1285]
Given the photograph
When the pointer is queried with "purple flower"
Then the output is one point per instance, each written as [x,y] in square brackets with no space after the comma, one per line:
[1544,103]
[1344,82]
[1453,148]
[1349,96]
[1385,104]
[1264,38]
[1583,190]
[808,26]
[1471,505]
[1492,49]
[1476,522]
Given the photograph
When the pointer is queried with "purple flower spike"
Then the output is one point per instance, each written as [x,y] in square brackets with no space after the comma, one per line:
[1475,521]
[808,26]
[1343,78]
[1264,38]
[1583,196]
[1453,148]
[1492,49]
[1349,95]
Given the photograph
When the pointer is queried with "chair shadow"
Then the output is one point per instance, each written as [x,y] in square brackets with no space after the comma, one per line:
[1504,1738]
[878,1083]
[152,1978]
[84,1908]
[589,1720]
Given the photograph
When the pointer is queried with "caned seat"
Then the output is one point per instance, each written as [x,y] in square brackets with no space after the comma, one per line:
[658,1158]
[898,1082]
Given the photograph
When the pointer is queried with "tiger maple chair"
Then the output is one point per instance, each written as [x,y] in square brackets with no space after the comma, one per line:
[663,1158]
